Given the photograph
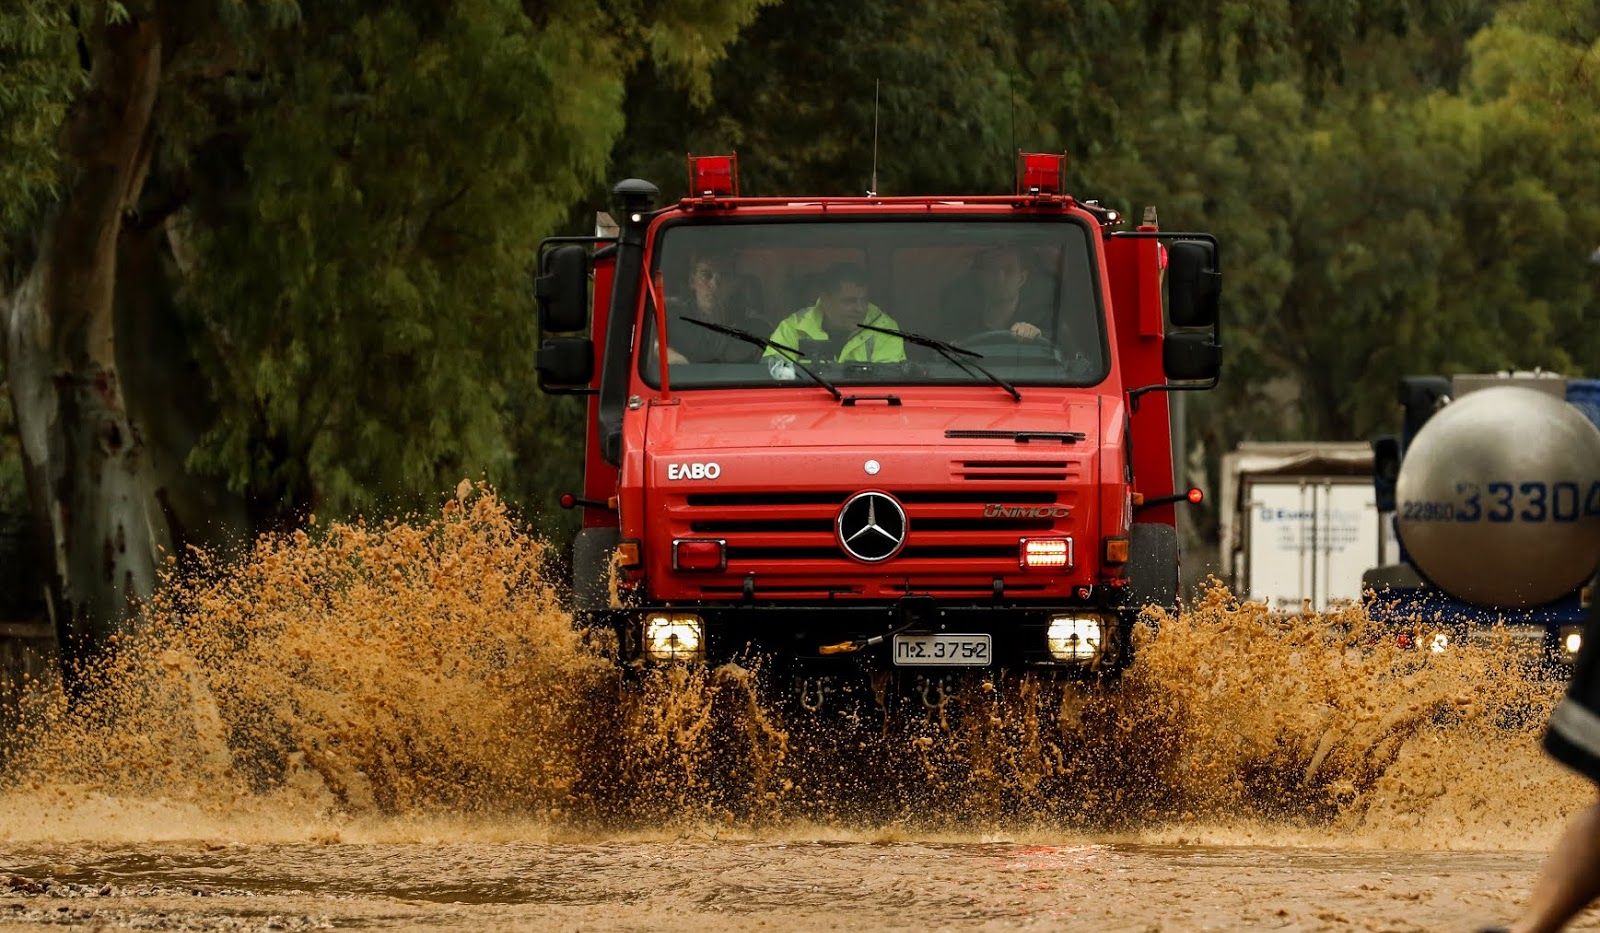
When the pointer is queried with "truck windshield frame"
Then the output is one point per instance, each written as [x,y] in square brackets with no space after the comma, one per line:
[965,279]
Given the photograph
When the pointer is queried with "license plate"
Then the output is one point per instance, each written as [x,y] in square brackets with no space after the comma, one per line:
[943,650]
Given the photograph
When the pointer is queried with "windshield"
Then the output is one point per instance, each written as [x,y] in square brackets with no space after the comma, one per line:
[1020,295]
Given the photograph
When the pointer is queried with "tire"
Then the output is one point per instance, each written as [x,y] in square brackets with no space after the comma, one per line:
[591,568]
[1152,567]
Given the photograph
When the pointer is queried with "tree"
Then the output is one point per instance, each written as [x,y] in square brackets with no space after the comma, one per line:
[88,474]
[1422,207]
[315,226]
[36,86]
[796,98]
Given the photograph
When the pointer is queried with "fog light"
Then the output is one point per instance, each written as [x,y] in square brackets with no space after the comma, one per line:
[1074,638]
[1438,642]
[676,637]
[700,554]
[1571,642]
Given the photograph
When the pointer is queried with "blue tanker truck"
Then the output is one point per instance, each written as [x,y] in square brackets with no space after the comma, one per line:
[1494,486]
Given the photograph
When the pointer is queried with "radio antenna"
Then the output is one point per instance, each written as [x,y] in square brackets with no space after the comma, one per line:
[872,191]
[1013,153]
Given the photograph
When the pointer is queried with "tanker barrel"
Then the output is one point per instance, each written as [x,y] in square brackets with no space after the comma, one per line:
[1499,498]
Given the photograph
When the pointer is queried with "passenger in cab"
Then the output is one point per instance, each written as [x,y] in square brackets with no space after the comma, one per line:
[711,297]
[996,296]
[827,329]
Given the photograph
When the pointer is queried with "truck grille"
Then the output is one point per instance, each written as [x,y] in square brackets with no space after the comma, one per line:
[786,538]
[760,513]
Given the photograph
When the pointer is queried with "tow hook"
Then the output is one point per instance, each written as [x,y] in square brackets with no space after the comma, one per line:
[913,609]
[936,687]
[851,647]
[813,691]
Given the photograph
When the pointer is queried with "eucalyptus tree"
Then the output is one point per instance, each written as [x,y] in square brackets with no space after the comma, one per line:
[264,258]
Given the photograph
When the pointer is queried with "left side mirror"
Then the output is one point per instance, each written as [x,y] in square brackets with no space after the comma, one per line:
[566,365]
[1191,357]
[563,289]
[1194,285]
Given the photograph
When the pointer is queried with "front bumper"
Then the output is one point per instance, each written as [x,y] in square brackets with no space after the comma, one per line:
[797,634]
[1548,650]
[1538,638]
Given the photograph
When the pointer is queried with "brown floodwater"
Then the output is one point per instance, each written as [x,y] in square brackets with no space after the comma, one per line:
[700,884]
[395,727]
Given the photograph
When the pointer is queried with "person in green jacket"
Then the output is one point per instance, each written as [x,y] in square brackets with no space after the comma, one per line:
[827,329]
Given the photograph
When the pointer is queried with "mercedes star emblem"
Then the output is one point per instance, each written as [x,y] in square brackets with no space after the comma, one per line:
[872,526]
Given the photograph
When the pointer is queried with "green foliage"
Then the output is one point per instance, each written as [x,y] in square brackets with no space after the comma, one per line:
[366,282]
[38,78]
[795,97]
[1428,210]
[1535,82]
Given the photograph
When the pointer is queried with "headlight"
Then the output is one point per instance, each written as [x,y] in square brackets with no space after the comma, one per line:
[1438,642]
[674,637]
[1571,642]
[1074,638]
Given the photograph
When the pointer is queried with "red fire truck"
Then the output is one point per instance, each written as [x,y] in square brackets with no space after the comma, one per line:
[916,434]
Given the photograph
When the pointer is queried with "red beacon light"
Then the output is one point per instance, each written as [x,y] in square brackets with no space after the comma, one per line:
[714,176]
[1195,496]
[1041,172]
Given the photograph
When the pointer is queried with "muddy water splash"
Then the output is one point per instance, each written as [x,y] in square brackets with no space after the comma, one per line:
[409,667]
[419,680]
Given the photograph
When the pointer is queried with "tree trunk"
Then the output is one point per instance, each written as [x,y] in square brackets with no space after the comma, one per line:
[169,400]
[89,475]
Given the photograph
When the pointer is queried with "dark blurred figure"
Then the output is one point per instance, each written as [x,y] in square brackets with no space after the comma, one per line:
[1570,879]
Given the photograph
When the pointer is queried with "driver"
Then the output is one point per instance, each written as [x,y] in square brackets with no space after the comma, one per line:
[710,299]
[996,298]
[827,329]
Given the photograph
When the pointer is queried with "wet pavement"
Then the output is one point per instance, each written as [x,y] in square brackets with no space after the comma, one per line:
[714,885]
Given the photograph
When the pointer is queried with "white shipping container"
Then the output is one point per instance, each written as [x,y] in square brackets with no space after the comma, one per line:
[1308,539]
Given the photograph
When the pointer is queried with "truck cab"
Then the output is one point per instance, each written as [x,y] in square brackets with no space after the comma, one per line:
[925,433]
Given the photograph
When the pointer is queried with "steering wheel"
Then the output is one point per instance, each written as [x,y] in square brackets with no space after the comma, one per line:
[1005,344]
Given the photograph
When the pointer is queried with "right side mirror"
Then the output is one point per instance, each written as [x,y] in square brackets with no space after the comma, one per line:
[1194,286]
[1385,470]
[563,289]
[1191,357]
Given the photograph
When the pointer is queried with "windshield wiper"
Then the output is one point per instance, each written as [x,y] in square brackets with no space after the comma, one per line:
[763,342]
[949,351]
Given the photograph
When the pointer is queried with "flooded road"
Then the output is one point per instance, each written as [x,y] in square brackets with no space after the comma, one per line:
[710,885]
[396,727]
